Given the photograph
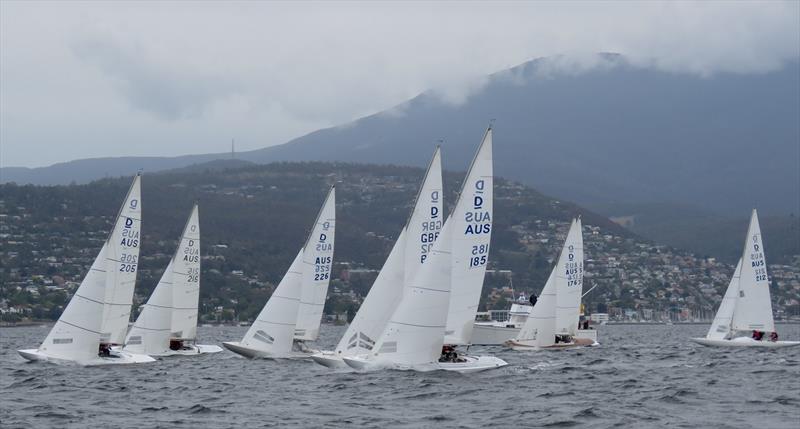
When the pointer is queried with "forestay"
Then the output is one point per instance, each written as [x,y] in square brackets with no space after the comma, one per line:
[316,272]
[122,260]
[407,255]
[721,327]
[753,308]
[472,229]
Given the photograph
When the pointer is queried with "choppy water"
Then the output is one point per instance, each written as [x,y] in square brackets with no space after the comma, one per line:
[641,376]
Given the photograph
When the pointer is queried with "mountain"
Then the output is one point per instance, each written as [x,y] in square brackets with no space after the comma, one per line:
[614,133]
[708,234]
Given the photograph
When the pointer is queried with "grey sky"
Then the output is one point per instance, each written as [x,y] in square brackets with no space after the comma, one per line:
[92,79]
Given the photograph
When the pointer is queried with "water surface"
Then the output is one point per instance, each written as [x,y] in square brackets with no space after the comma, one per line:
[641,376]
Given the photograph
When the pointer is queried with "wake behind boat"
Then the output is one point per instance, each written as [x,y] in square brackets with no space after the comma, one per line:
[96,318]
[167,325]
[746,305]
[293,313]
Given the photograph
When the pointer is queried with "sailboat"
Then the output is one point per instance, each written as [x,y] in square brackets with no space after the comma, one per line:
[443,292]
[167,325]
[553,321]
[293,313]
[96,318]
[746,306]
[407,255]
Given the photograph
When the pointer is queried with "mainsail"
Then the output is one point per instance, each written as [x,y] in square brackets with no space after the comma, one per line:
[122,260]
[407,255]
[753,308]
[569,282]
[317,263]
[472,232]
[186,280]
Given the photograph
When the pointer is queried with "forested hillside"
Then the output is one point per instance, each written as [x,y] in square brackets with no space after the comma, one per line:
[254,218]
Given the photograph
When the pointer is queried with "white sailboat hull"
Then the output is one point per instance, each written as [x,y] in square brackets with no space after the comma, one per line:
[524,346]
[329,359]
[744,342]
[471,364]
[118,357]
[252,353]
[192,350]
[588,334]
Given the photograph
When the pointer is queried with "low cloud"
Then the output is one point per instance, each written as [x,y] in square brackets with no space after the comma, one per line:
[149,86]
[166,79]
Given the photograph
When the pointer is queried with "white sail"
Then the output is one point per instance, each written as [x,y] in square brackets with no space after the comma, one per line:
[151,331]
[122,260]
[317,263]
[426,220]
[753,307]
[540,328]
[76,334]
[273,330]
[171,311]
[721,327]
[407,255]
[472,229]
[186,280]
[569,281]
[415,332]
